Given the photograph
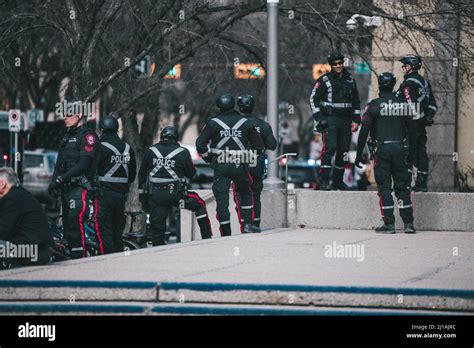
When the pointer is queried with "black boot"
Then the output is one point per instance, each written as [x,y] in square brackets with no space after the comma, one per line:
[341,187]
[386,229]
[409,228]
[249,228]
[325,186]
[420,183]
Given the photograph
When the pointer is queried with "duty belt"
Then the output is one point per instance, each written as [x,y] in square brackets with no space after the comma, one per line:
[337,105]
[382,142]
[167,187]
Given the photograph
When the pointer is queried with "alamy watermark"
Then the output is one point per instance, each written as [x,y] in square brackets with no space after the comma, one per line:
[238,157]
[19,251]
[74,108]
[400,109]
[334,250]
[28,330]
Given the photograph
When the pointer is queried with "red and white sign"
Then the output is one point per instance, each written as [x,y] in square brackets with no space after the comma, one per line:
[14,120]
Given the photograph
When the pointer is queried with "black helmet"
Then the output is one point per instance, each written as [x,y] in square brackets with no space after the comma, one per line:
[335,56]
[108,124]
[225,102]
[387,81]
[245,103]
[169,133]
[412,60]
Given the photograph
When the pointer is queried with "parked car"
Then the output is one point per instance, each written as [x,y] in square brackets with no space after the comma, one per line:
[38,169]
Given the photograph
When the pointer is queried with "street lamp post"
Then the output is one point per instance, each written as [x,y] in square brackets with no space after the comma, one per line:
[272,181]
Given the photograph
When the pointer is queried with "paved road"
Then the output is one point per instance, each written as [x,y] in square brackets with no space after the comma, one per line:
[292,256]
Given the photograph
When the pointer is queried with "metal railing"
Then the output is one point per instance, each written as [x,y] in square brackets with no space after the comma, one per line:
[285,155]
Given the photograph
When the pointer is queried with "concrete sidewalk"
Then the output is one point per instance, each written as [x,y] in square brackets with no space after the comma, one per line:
[432,270]
[426,259]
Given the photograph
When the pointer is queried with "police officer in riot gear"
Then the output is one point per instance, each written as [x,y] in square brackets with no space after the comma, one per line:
[230,136]
[74,177]
[335,106]
[246,105]
[116,169]
[161,180]
[392,130]
[417,91]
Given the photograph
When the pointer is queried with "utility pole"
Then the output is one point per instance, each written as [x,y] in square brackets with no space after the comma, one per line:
[273,181]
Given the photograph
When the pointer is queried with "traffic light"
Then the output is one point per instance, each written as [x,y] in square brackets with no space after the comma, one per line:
[320,69]
[249,71]
[174,73]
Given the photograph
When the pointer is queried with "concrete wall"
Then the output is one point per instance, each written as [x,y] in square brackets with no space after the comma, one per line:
[434,211]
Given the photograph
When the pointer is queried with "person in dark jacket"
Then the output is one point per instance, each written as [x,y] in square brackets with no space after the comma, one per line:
[417,92]
[163,169]
[224,142]
[246,105]
[74,177]
[25,236]
[393,135]
[335,105]
[116,169]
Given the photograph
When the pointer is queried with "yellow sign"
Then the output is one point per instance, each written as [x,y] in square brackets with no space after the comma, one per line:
[248,71]
[320,69]
[174,73]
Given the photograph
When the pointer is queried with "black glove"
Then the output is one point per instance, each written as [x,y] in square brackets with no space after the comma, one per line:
[55,187]
[323,123]
[358,161]
[145,201]
[410,161]
[429,120]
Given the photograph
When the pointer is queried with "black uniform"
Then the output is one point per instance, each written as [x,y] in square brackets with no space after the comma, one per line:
[394,135]
[76,165]
[116,169]
[417,90]
[335,100]
[257,170]
[229,132]
[163,165]
[24,222]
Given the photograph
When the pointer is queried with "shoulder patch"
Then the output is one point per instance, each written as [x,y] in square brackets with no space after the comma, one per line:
[90,139]
[317,84]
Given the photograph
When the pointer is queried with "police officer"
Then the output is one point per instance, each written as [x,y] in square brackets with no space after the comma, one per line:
[74,176]
[336,111]
[116,169]
[246,105]
[392,129]
[164,165]
[230,135]
[417,91]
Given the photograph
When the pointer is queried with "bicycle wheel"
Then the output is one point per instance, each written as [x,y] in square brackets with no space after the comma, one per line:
[129,245]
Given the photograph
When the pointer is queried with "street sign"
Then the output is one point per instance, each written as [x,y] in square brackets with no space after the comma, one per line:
[14,120]
[35,115]
[320,69]
[4,120]
[362,68]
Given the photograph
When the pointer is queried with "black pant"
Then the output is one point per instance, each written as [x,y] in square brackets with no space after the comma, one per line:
[160,204]
[390,162]
[224,175]
[421,161]
[111,219]
[256,174]
[336,140]
[75,211]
